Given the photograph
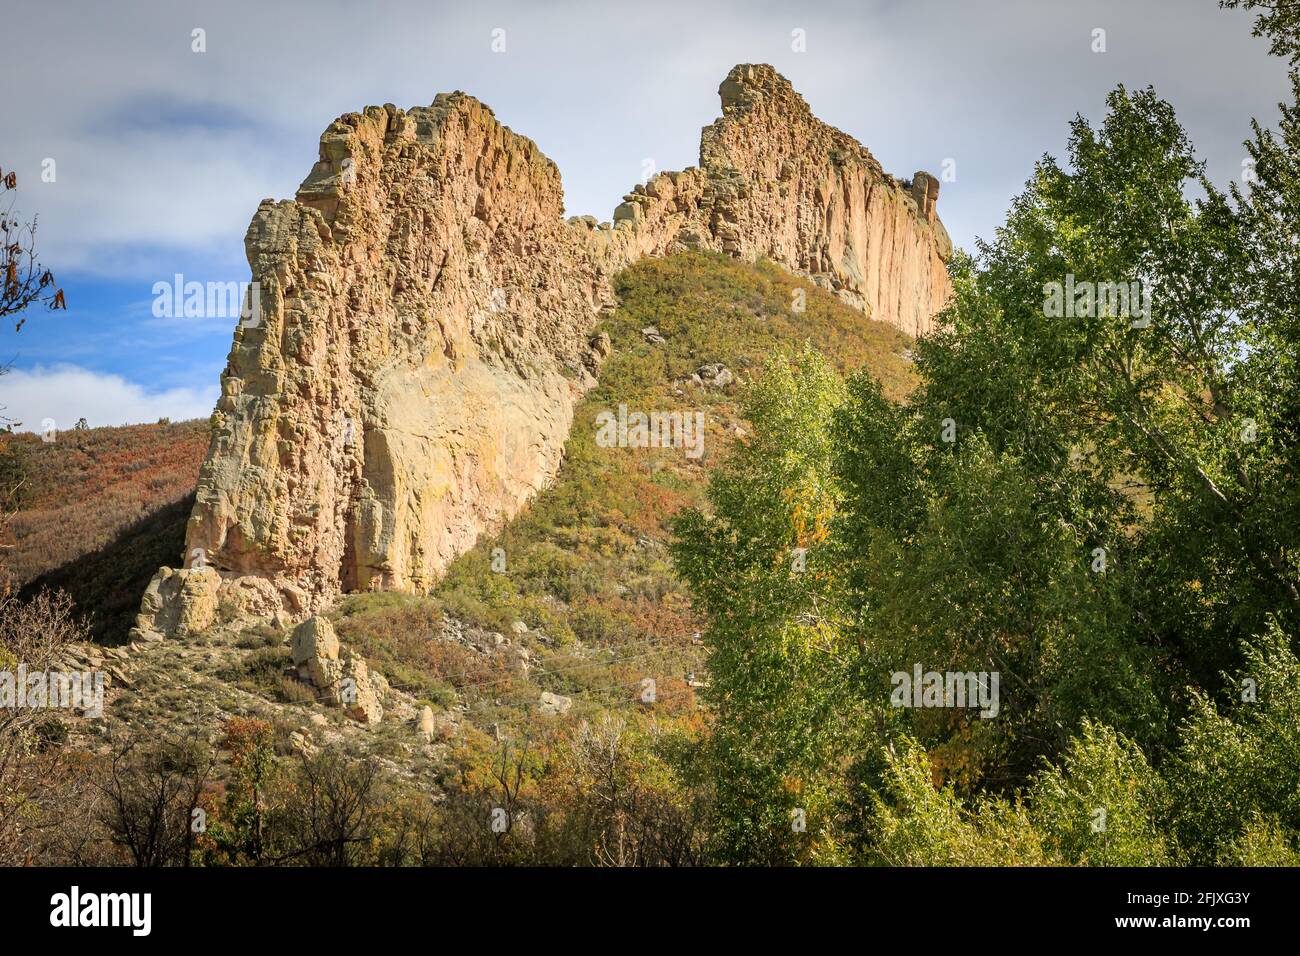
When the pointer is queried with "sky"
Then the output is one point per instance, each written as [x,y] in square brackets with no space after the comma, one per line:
[161,153]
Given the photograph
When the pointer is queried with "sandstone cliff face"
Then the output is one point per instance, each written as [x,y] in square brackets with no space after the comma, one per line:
[775,181]
[425,315]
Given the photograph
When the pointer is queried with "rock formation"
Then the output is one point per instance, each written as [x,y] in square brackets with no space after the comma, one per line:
[425,319]
[177,604]
[340,674]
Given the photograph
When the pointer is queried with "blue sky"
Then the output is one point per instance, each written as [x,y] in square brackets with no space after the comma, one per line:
[162,154]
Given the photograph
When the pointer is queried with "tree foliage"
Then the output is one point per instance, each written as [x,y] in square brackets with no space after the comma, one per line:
[1091,494]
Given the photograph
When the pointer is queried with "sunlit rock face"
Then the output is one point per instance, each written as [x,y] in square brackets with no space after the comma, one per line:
[426,315]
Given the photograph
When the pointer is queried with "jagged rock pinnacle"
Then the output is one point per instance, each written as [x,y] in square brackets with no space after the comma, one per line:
[424,332]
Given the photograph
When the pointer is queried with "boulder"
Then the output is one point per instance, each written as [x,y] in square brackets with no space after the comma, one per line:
[715,375]
[177,604]
[554,705]
[249,594]
[340,675]
[630,211]
[359,693]
[314,638]
[425,723]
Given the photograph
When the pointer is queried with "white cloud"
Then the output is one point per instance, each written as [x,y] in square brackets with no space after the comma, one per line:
[165,153]
[66,393]
[122,207]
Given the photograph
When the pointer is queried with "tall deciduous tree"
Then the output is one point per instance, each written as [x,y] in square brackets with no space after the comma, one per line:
[1092,494]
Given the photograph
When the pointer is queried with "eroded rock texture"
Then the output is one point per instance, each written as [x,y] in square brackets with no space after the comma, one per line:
[426,313]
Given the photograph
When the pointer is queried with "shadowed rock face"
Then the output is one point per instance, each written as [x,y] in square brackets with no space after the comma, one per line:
[425,315]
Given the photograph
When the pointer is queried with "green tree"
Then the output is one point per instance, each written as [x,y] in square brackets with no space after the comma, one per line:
[1091,494]
[241,835]
[1236,774]
[1102,804]
[919,824]
[1279,20]
[760,568]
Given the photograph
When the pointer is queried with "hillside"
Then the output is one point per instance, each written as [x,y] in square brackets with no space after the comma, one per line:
[99,510]
[585,566]
[584,604]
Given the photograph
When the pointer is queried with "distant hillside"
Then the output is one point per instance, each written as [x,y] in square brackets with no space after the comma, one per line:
[100,510]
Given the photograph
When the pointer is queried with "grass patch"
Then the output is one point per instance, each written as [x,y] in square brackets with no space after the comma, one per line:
[401,636]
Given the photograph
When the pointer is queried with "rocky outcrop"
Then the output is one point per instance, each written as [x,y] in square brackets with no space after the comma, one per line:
[775,181]
[553,705]
[315,651]
[177,604]
[342,676]
[425,319]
